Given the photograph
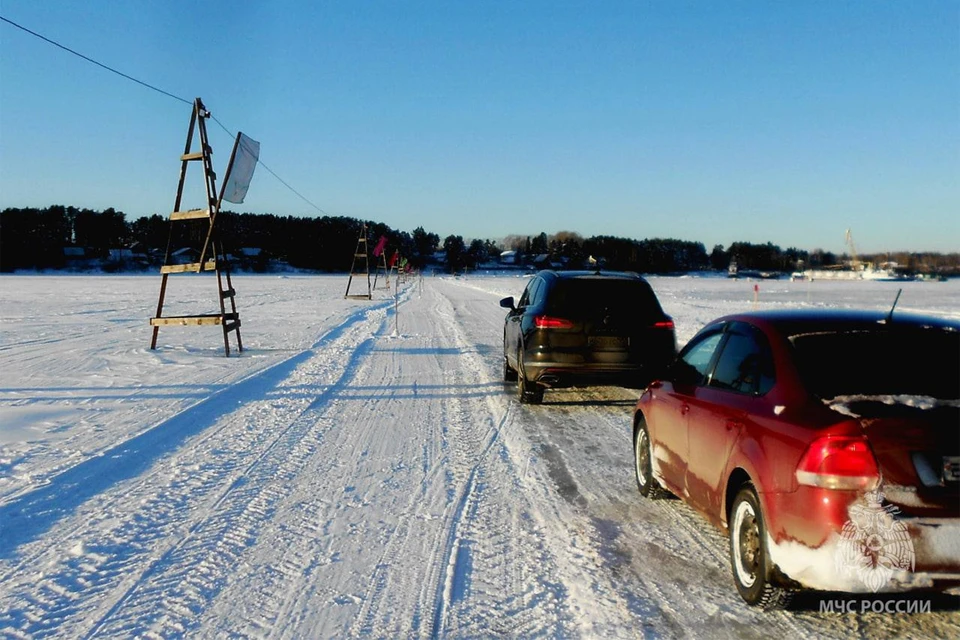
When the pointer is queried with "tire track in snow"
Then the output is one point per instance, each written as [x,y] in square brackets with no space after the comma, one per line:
[453,546]
[127,316]
[289,581]
[592,554]
[656,604]
[369,617]
[469,452]
[481,530]
[92,574]
[173,584]
[655,573]
[460,442]
[266,484]
[30,514]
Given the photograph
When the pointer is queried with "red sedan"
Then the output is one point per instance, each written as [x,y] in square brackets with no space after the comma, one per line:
[827,443]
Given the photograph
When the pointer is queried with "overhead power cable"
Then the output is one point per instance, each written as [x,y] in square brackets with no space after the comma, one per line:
[111,69]
[158,90]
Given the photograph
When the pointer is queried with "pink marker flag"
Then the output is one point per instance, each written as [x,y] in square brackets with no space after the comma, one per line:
[380,246]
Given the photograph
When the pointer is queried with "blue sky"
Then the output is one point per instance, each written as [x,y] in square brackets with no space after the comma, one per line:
[716,122]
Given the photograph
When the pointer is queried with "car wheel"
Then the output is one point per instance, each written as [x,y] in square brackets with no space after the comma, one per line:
[749,556]
[643,464]
[527,392]
[509,375]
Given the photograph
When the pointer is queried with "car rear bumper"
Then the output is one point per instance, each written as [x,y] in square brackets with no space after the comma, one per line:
[859,566]
[837,541]
[560,374]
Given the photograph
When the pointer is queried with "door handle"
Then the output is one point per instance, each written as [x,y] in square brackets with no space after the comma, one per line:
[734,424]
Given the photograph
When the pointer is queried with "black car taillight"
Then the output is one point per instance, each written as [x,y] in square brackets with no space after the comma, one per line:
[550,322]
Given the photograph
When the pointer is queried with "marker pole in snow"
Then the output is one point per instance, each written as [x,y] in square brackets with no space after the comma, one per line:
[756,296]
[396,306]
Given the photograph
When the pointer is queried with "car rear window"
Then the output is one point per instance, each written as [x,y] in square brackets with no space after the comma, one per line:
[884,361]
[585,297]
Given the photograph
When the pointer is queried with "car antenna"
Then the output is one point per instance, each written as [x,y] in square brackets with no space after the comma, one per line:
[895,300]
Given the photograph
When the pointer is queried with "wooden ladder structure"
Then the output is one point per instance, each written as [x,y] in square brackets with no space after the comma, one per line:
[360,255]
[212,257]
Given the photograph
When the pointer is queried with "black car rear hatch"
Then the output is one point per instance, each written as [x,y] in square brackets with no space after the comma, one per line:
[609,320]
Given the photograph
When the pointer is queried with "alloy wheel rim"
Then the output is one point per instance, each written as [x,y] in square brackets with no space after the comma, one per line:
[642,458]
[746,544]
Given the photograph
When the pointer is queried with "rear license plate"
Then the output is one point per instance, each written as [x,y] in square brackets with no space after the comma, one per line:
[608,342]
[951,468]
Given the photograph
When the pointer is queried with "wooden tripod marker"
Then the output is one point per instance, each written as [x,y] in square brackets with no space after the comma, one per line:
[361,254]
[211,253]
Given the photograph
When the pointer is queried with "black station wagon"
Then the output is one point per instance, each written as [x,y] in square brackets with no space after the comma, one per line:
[585,328]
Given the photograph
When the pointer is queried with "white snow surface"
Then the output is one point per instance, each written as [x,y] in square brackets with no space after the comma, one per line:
[352,473]
[841,404]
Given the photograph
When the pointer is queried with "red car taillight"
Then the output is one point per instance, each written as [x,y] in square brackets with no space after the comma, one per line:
[839,463]
[666,324]
[549,322]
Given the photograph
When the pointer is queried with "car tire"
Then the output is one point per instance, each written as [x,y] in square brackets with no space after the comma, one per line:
[527,392]
[509,375]
[643,465]
[749,557]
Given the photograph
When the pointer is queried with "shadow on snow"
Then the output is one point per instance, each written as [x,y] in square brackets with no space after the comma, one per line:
[27,517]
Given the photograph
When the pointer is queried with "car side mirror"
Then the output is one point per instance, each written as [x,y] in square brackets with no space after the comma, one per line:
[507,303]
[682,373]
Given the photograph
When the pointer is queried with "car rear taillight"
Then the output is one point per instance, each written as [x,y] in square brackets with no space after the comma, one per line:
[665,324]
[839,463]
[549,322]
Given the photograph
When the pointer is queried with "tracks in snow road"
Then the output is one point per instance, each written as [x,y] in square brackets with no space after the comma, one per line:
[496,566]
[138,540]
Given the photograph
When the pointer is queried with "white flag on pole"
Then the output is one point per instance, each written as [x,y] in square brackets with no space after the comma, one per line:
[246,154]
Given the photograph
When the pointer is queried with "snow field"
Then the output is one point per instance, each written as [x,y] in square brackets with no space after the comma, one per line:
[337,480]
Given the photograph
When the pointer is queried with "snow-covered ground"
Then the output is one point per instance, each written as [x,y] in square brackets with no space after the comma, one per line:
[352,472]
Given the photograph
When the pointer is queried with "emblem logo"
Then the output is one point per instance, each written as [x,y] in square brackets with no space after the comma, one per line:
[873,543]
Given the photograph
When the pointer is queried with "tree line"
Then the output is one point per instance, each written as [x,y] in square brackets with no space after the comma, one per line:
[33,238]
[38,239]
